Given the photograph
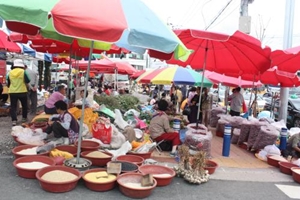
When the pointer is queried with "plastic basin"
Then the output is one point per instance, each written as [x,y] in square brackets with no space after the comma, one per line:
[272,160]
[296,174]
[210,166]
[97,161]
[155,170]
[23,147]
[143,155]
[285,167]
[138,160]
[68,148]
[134,192]
[30,173]
[99,187]
[127,167]
[61,186]
[87,145]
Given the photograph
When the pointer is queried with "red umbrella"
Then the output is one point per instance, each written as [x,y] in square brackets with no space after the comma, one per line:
[105,65]
[229,55]
[230,81]
[137,74]
[287,60]
[274,76]
[8,45]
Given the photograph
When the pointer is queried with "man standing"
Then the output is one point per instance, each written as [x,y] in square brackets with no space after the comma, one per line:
[236,102]
[32,90]
[17,81]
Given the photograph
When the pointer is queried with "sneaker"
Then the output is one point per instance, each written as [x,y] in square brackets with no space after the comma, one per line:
[14,123]
[24,120]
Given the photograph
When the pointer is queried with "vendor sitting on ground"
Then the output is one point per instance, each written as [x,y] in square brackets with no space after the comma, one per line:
[63,125]
[60,94]
[80,101]
[160,127]
[293,146]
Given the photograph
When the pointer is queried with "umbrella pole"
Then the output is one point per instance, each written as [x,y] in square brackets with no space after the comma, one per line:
[83,103]
[69,74]
[201,89]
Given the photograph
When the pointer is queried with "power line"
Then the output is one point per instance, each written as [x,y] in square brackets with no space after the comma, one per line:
[226,16]
[190,10]
[220,13]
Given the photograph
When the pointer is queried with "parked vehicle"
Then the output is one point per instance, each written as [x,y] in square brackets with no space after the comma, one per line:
[293,113]
[259,99]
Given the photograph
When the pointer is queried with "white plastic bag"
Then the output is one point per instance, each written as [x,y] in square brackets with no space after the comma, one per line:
[279,125]
[132,111]
[294,131]
[119,121]
[296,162]
[272,150]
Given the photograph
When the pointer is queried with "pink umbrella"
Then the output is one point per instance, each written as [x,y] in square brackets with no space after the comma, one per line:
[230,81]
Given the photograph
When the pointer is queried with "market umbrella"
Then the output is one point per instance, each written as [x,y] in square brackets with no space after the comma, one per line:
[276,77]
[230,81]
[137,74]
[230,55]
[175,75]
[7,45]
[127,23]
[287,60]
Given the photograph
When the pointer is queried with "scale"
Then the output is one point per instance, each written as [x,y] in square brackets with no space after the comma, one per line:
[82,165]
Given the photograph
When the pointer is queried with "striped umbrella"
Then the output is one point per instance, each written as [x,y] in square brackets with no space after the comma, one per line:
[174,75]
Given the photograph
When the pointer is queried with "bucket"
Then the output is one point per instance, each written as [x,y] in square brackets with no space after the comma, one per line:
[176,124]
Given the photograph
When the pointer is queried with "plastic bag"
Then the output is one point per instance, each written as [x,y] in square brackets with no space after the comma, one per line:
[117,138]
[102,130]
[296,162]
[235,135]
[245,109]
[272,150]
[132,112]
[294,131]
[119,121]
[279,125]
[266,136]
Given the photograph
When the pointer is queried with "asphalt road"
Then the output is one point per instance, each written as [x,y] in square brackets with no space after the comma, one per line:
[16,188]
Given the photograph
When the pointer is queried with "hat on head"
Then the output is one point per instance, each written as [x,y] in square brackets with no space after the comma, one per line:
[19,63]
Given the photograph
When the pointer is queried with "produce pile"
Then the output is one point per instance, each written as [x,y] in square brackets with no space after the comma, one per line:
[191,167]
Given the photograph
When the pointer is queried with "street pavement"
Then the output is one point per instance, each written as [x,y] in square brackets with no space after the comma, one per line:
[225,183]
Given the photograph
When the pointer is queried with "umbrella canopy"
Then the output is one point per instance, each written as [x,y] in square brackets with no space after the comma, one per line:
[230,55]
[7,45]
[105,65]
[287,60]
[230,81]
[175,75]
[124,22]
[137,74]
[274,76]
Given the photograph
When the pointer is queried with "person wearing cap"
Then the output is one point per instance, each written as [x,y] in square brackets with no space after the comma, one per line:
[32,90]
[17,82]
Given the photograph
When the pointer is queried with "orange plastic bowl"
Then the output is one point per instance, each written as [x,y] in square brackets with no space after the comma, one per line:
[68,148]
[30,173]
[285,167]
[138,160]
[99,187]
[143,155]
[156,170]
[97,161]
[296,174]
[210,166]
[23,147]
[134,192]
[87,145]
[61,186]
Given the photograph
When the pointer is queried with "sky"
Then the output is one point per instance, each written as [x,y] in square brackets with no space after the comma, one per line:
[198,14]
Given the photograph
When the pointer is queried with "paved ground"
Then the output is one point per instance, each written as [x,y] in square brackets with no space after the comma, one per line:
[239,176]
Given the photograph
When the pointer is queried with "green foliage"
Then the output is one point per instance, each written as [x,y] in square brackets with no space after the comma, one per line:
[121,102]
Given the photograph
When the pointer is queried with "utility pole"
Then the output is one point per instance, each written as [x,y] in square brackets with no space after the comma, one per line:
[287,43]
[245,19]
